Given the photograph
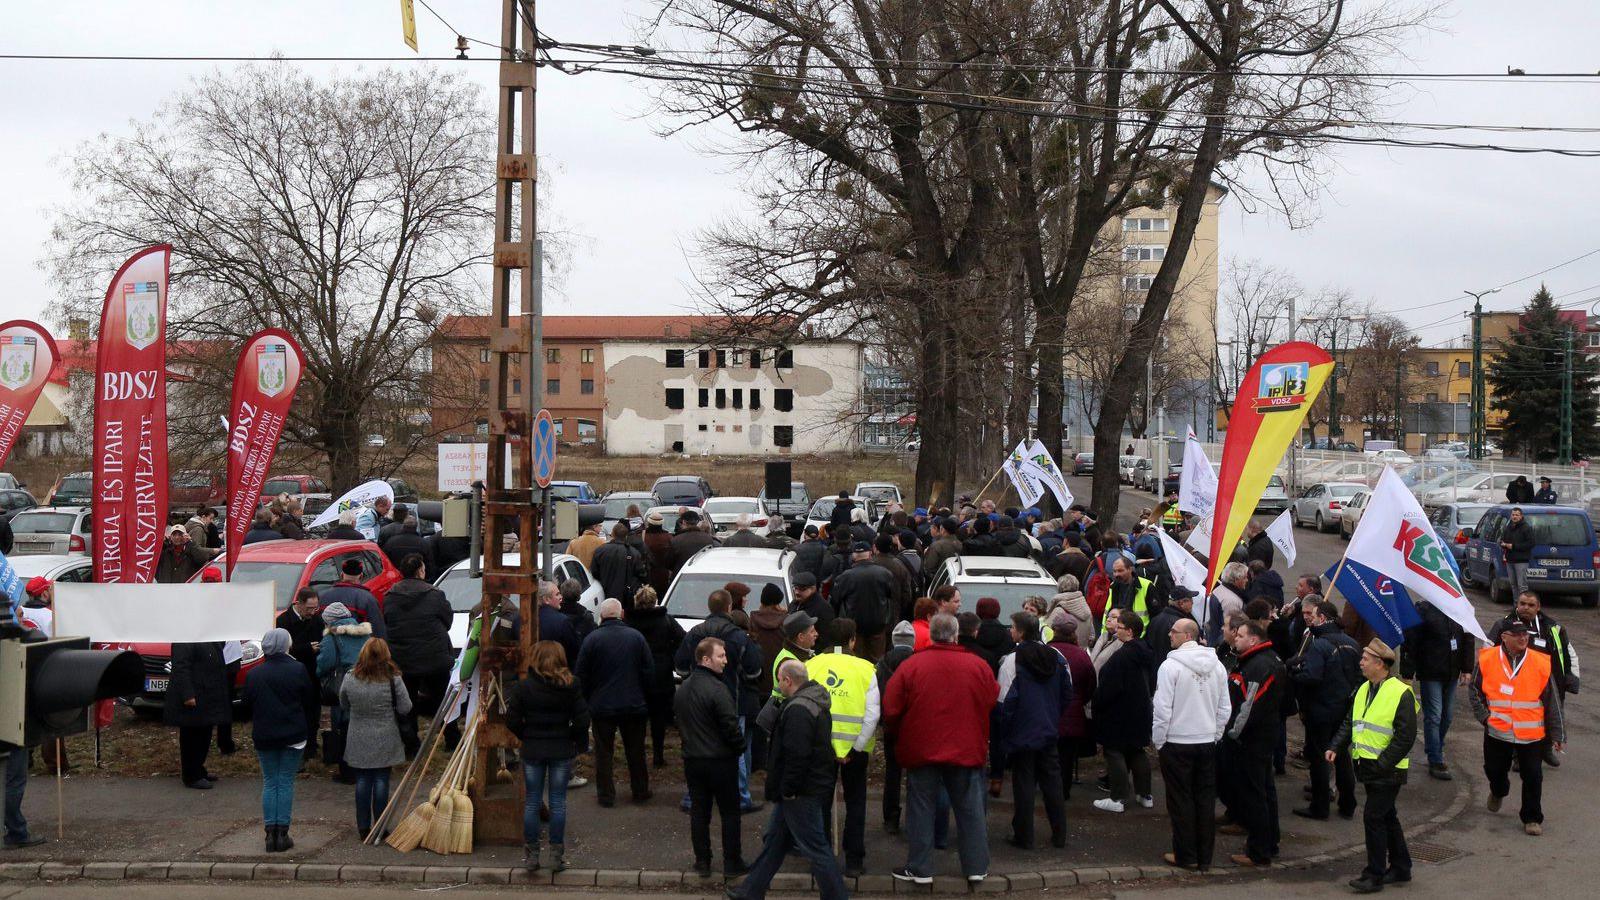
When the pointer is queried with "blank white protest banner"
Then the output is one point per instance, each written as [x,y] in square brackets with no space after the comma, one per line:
[164,613]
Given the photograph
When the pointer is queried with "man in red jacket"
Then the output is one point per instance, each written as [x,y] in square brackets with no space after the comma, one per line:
[937,707]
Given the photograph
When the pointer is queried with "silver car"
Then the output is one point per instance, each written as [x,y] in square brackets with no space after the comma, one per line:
[1322,504]
[53,529]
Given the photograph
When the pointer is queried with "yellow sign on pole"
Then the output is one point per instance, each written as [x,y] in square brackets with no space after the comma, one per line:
[408,22]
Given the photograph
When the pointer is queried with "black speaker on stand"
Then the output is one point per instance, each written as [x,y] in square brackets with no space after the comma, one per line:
[778,479]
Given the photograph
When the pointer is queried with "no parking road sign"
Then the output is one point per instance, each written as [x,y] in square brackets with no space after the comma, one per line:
[544,448]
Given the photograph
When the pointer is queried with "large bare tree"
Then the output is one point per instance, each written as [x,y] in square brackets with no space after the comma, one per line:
[350,211]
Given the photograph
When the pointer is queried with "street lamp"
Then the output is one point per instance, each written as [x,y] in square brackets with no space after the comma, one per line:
[1476,424]
[1334,427]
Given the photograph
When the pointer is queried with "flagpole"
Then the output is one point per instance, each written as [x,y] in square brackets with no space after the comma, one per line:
[979,496]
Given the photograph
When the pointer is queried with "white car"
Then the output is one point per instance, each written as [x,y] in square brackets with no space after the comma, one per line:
[1393,456]
[1350,514]
[1006,579]
[725,513]
[712,568]
[57,568]
[52,530]
[822,511]
[881,492]
[465,593]
[1322,504]
[1126,466]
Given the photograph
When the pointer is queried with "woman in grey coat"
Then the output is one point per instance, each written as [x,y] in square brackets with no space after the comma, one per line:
[371,696]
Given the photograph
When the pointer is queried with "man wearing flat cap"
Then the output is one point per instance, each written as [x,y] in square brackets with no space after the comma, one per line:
[799,636]
[865,594]
[1379,733]
[1515,698]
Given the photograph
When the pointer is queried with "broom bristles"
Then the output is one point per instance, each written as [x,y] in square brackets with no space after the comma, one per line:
[413,828]
[461,824]
[438,837]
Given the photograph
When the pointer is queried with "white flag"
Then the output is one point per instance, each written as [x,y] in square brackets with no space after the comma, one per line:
[1185,569]
[1281,532]
[1200,536]
[1197,484]
[361,495]
[1395,538]
[1016,469]
[1038,463]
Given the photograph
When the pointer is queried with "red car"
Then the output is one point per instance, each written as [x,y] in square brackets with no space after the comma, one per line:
[190,488]
[288,566]
[291,484]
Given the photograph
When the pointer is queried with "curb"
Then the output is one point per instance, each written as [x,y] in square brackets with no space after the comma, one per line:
[660,879]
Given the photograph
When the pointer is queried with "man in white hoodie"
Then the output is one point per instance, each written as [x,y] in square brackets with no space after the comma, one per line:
[1191,713]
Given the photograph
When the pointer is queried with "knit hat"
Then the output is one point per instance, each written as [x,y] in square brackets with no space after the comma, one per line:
[796,623]
[275,641]
[771,594]
[654,518]
[903,635]
[920,512]
[803,580]
[37,585]
[334,613]
[211,575]
[988,608]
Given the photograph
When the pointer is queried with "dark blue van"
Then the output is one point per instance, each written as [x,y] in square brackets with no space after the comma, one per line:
[1565,554]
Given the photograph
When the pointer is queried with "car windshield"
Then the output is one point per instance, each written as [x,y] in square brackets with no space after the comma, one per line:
[1085,457]
[1275,481]
[280,486]
[879,492]
[74,486]
[1469,516]
[730,507]
[797,494]
[688,595]
[1561,530]
[617,507]
[566,491]
[43,523]
[678,491]
[284,578]
[669,518]
[1344,490]
[462,590]
[823,508]
[1009,595]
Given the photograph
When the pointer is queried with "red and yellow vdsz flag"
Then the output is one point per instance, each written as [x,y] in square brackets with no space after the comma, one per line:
[1272,401]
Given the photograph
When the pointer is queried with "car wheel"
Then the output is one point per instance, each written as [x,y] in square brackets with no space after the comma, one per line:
[1500,591]
[1591,600]
[1322,526]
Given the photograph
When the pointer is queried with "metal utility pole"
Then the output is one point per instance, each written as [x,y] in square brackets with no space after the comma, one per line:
[1399,405]
[515,352]
[1564,455]
[1479,432]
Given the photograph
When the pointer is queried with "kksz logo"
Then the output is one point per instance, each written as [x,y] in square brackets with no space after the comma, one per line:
[1420,550]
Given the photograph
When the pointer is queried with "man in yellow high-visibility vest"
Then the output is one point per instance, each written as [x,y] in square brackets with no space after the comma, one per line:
[1379,732]
[852,683]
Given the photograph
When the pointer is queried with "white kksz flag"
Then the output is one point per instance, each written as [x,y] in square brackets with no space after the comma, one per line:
[1396,539]
[1022,478]
[1038,463]
[1281,532]
[1197,484]
[361,495]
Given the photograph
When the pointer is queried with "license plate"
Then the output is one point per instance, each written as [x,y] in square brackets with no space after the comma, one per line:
[156,685]
[1578,574]
[1538,573]
[1555,562]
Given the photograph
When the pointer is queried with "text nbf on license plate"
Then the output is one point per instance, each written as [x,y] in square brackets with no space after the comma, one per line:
[156,685]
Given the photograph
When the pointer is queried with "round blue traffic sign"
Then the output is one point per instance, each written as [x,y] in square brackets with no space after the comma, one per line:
[544,448]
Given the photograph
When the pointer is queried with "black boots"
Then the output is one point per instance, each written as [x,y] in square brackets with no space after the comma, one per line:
[278,839]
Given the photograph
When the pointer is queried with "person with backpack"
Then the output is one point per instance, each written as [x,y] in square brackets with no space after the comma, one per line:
[1325,677]
[339,653]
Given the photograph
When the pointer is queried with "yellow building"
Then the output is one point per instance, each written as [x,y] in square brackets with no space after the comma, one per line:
[1439,387]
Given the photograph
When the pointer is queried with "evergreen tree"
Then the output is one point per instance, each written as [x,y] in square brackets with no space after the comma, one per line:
[1525,377]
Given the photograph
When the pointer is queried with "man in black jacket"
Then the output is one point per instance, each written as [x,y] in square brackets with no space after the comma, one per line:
[618,567]
[690,539]
[903,641]
[304,623]
[403,542]
[712,744]
[1325,677]
[742,675]
[809,600]
[1180,605]
[1517,542]
[865,594]
[886,553]
[1257,690]
[801,771]
[1438,655]
[392,527]
[1388,858]
[615,668]
[811,555]
[416,620]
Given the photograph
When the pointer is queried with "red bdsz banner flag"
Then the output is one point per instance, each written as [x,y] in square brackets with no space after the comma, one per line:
[27,354]
[130,421]
[263,387]
[1271,404]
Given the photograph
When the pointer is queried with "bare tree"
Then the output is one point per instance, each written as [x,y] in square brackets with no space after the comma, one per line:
[350,211]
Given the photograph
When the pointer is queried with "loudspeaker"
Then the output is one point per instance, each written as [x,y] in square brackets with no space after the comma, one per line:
[778,474]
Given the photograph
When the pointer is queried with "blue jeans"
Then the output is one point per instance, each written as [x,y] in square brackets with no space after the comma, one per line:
[16,784]
[536,774]
[372,795]
[965,789]
[1438,707]
[278,768]
[796,824]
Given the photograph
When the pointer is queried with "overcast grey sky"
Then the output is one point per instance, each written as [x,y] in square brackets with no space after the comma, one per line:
[1403,227]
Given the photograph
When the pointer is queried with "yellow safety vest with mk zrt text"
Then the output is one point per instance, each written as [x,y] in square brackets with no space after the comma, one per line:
[848,679]
[1372,719]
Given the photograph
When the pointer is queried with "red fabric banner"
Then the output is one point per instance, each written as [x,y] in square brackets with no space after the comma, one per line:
[130,421]
[27,355]
[264,383]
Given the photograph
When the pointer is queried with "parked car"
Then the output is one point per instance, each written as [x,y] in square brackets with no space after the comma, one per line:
[1564,560]
[1004,578]
[296,485]
[1083,463]
[465,593]
[724,513]
[575,491]
[72,489]
[1330,444]
[682,490]
[52,530]
[1125,467]
[616,506]
[1392,456]
[1275,499]
[669,515]
[714,567]
[1454,523]
[1173,479]
[1482,487]
[403,493]
[376,440]
[1350,513]
[881,492]
[189,488]
[1455,449]
[1144,474]
[822,510]
[9,482]
[1322,504]
[793,510]
[13,501]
